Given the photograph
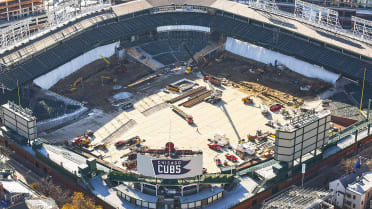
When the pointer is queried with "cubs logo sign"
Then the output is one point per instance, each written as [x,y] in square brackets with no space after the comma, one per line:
[170,167]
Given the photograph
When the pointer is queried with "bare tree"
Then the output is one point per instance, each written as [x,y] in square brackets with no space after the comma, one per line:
[348,164]
[48,188]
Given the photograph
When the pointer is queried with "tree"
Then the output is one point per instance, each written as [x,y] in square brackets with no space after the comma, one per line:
[48,188]
[78,201]
[348,164]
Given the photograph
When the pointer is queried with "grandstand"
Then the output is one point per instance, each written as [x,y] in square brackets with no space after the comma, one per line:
[139,18]
[168,48]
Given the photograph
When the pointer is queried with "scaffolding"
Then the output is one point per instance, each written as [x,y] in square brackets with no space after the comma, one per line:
[317,15]
[362,28]
[57,15]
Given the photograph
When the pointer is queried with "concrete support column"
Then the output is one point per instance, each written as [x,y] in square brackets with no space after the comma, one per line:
[182,191]
[197,188]
[156,190]
[141,187]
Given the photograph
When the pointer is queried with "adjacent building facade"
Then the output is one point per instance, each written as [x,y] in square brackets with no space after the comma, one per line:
[353,191]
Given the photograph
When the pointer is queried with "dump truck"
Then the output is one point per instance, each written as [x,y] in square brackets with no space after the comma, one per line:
[181,113]
[212,79]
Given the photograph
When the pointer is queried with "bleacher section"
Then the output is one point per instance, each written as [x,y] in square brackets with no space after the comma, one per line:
[168,49]
[113,30]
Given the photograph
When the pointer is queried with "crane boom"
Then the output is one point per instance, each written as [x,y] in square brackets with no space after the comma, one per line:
[104,58]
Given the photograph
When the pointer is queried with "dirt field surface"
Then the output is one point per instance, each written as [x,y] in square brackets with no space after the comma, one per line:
[95,92]
[238,69]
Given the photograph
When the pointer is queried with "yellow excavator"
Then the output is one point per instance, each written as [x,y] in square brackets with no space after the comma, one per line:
[73,87]
[221,57]
[108,78]
[204,59]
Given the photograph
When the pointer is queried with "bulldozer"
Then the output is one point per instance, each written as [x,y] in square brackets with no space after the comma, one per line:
[108,78]
[73,87]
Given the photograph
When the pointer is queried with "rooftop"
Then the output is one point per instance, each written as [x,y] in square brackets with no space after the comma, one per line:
[362,184]
[16,186]
[305,119]
[296,197]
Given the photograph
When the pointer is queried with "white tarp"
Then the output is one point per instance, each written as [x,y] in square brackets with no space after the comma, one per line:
[267,56]
[183,28]
[46,81]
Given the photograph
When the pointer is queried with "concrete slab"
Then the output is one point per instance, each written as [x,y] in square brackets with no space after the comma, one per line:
[230,117]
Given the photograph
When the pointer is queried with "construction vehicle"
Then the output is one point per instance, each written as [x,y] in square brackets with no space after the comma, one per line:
[173,88]
[221,57]
[108,78]
[127,106]
[270,124]
[218,162]
[204,59]
[264,109]
[101,146]
[106,60]
[247,100]
[188,70]
[275,107]
[81,141]
[214,146]
[75,84]
[130,141]
[231,157]
[221,140]
[212,79]
[181,113]
[216,94]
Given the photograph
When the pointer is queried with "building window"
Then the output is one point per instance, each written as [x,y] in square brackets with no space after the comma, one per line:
[353,197]
[347,202]
[353,205]
[361,202]
[348,195]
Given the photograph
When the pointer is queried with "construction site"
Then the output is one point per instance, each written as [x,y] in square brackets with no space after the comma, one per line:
[207,104]
[230,115]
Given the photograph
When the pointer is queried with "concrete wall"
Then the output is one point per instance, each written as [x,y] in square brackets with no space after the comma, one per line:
[267,56]
[48,80]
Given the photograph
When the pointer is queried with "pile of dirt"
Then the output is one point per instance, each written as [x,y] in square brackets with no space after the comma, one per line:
[94,89]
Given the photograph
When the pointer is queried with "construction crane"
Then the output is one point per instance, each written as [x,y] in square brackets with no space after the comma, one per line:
[106,60]
[76,82]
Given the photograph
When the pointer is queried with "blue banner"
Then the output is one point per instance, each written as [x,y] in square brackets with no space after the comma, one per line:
[170,167]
